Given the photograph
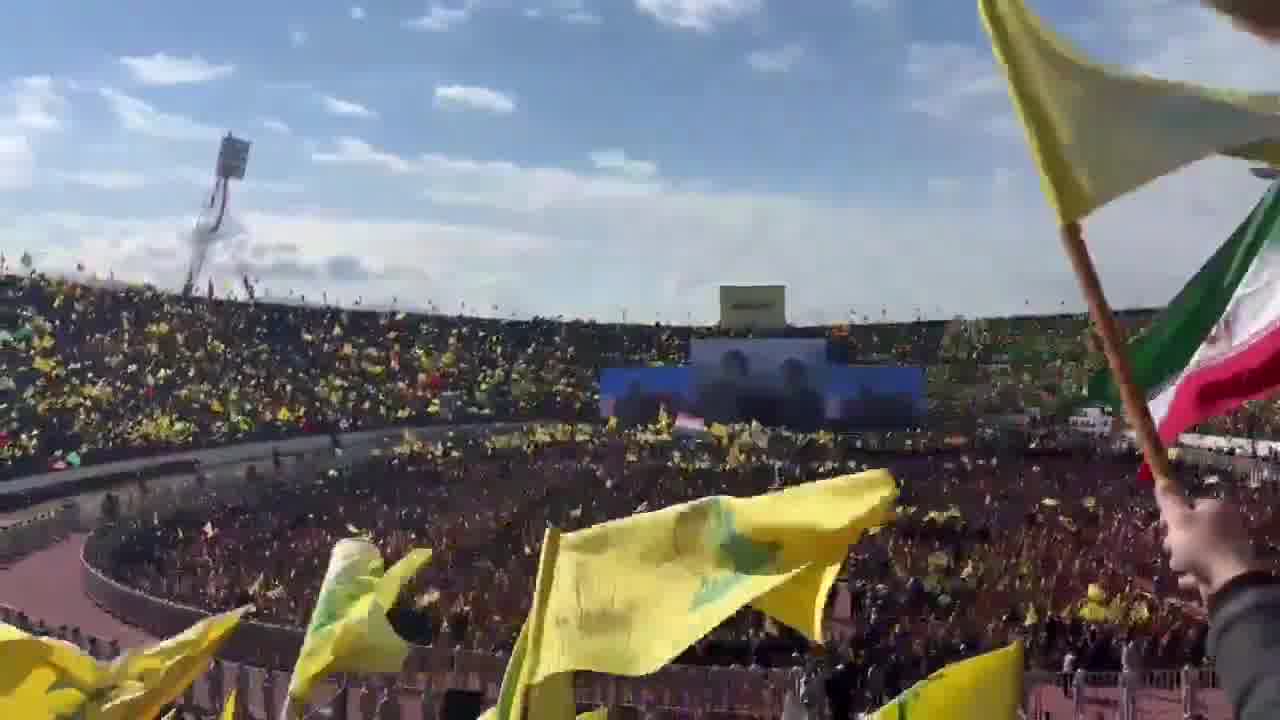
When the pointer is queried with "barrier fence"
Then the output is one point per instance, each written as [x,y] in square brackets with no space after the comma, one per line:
[434,680]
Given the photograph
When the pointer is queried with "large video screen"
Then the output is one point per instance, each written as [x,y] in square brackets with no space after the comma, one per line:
[875,396]
[778,382]
[634,395]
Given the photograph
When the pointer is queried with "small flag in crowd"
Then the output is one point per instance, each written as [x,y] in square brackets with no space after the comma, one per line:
[1098,133]
[690,425]
[626,597]
[349,630]
[1216,345]
[987,687]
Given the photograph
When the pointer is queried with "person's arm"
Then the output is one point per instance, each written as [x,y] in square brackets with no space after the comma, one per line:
[1244,639]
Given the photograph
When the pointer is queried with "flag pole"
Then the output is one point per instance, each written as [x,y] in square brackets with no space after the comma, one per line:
[1135,403]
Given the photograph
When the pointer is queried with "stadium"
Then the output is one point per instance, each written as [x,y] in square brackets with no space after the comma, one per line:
[246,505]
[1012,523]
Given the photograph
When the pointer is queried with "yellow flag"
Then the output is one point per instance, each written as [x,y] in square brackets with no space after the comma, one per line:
[43,678]
[142,682]
[349,630]
[229,707]
[1098,133]
[519,699]
[626,597]
[987,687]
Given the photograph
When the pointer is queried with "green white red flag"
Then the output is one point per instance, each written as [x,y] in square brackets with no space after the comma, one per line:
[1217,345]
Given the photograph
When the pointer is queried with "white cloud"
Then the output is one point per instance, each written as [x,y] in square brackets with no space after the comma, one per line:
[472,97]
[699,15]
[357,13]
[103,179]
[31,108]
[163,70]
[951,78]
[439,19]
[346,108]
[277,126]
[357,152]
[203,178]
[524,235]
[33,103]
[298,37]
[140,117]
[877,6]
[17,162]
[616,160]
[777,60]
[458,181]
[576,12]
[477,264]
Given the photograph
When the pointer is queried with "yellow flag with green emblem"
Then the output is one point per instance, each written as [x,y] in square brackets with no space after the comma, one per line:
[349,630]
[626,597]
[987,687]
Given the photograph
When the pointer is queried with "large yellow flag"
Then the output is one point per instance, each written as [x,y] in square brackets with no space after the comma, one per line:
[988,687]
[42,678]
[1098,133]
[142,682]
[45,678]
[519,699]
[349,630]
[628,596]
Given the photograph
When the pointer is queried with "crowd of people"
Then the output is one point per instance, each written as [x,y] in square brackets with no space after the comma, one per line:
[1058,548]
[90,373]
[993,541]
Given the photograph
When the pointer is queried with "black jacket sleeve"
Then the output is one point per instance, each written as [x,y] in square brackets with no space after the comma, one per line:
[1244,639]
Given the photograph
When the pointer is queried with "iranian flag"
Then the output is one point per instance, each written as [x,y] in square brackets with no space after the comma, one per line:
[1217,345]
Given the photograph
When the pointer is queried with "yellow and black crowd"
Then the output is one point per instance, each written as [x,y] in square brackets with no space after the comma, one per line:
[992,541]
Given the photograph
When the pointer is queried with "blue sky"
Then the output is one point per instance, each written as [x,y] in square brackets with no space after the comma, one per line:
[586,157]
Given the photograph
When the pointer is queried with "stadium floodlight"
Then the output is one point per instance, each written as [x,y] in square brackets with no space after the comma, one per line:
[233,160]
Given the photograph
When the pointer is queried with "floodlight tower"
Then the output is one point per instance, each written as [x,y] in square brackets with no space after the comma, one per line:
[233,160]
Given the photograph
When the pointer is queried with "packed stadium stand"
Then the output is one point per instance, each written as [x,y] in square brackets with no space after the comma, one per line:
[1044,537]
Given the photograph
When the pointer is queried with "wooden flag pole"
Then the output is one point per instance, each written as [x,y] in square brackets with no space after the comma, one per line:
[1135,402]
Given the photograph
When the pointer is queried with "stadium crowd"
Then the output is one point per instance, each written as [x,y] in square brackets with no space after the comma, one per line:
[91,374]
[1057,548]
